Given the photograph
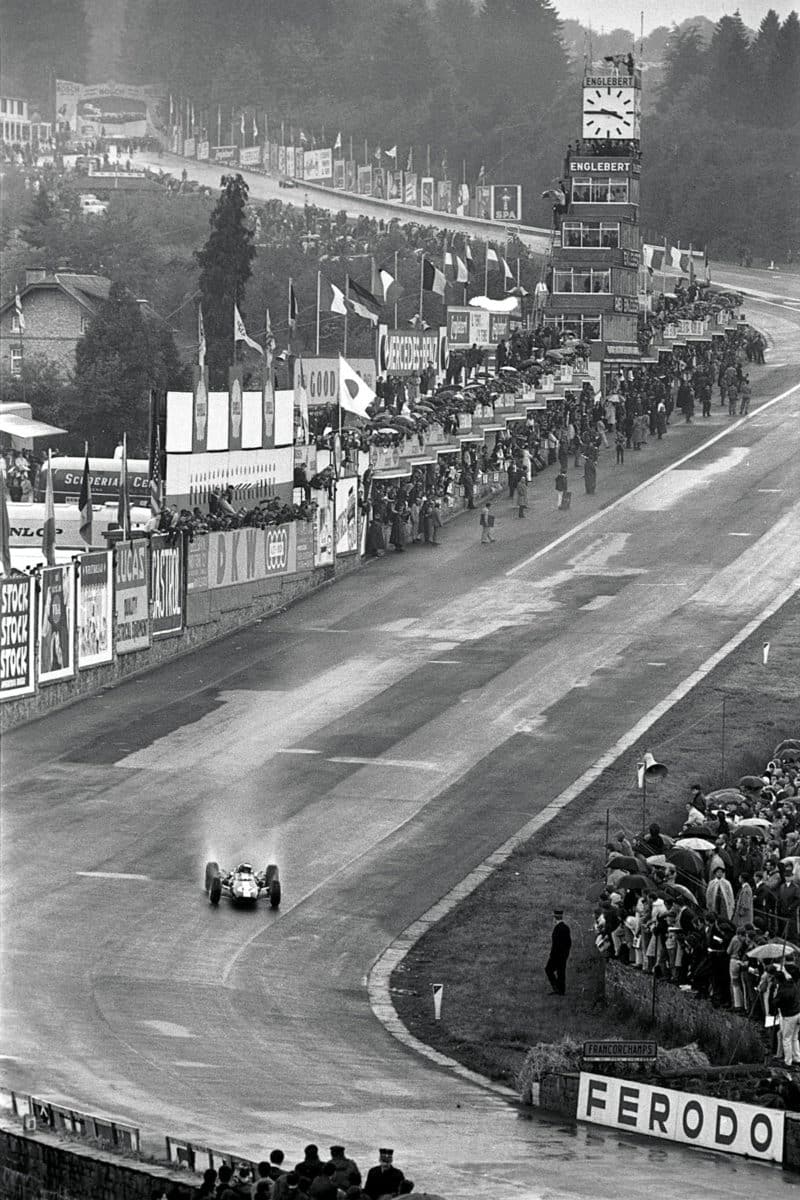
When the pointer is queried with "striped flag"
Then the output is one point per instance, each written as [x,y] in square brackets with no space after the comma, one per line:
[202,346]
[123,504]
[433,279]
[5,527]
[49,527]
[292,306]
[362,302]
[85,501]
[156,482]
[240,334]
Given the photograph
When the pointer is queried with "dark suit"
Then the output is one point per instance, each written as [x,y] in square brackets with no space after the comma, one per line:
[556,965]
[383,1181]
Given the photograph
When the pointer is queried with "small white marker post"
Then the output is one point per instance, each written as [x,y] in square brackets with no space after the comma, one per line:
[765,652]
[438,988]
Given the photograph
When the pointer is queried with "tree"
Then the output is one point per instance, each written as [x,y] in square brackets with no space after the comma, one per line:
[225,267]
[41,45]
[42,385]
[684,61]
[37,227]
[729,90]
[764,57]
[787,71]
[124,354]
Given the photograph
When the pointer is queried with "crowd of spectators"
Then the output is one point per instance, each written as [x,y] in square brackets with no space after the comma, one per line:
[312,1178]
[223,514]
[716,908]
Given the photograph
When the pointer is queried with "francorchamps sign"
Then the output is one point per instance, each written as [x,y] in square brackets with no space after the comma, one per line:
[245,555]
[703,1121]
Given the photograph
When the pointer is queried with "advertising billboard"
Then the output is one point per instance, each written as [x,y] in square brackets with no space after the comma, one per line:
[246,555]
[472,326]
[444,195]
[95,611]
[166,586]
[426,192]
[249,156]
[338,173]
[17,598]
[350,175]
[107,110]
[411,189]
[131,608]
[321,376]
[323,530]
[483,202]
[318,165]
[407,352]
[291,162]
[346,515]
[56,623]
[506,202]
[365,181]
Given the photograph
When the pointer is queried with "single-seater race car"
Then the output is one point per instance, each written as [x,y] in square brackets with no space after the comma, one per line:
[243,885]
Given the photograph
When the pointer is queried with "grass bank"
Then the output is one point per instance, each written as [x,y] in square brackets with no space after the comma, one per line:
[489,952]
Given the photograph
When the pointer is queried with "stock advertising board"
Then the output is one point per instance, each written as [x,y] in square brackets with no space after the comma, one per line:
[246,555]
[95,612]
[56,623]
[166,586]
[17,599]
[131,610]
[707,1122]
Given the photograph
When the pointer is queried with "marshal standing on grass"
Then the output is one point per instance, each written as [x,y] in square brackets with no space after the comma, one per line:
[556,966]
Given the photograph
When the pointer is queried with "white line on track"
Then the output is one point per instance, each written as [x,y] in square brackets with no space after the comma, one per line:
[410,763]
[602,513]
[769,491]
[655,664]
[111,875]
[296,750]
[738,533]
[446,662]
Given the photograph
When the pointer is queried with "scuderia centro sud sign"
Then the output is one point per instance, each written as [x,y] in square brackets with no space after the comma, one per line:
[703,1121]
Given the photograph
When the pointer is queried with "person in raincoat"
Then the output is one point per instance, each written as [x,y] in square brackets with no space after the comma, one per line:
[719,895]
[521,496]
[590,470]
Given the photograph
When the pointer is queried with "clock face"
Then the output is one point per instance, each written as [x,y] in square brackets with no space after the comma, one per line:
[610,112]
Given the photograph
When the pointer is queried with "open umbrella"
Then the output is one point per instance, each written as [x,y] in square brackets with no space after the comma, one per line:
[633,883]
[613,878]
[758,822]
[725,796]
[686,861]
[622,862]
[786,744]
[556,355]
[679,890]
[750,829]
[772,950]
[751,783]
[656,860]
[693,843]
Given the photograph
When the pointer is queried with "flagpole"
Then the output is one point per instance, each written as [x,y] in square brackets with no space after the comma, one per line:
[366,153]
[421,283]
[664,271]
[318,303]
[396,277]
[486,272]
[290,314]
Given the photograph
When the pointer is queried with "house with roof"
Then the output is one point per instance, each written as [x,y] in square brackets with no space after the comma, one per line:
[56,309]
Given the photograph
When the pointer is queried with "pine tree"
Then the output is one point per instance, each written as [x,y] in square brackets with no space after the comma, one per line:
[787,73]
[225,267]
[729,89]
[684,62]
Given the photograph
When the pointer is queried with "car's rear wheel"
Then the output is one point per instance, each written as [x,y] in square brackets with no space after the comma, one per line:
[215,891]
[212,870]
[273,883]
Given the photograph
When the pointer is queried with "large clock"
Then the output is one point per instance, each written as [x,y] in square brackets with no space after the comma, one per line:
[610,112]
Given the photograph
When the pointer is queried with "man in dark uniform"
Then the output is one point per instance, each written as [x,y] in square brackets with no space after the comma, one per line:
[385,1179]
[561,944]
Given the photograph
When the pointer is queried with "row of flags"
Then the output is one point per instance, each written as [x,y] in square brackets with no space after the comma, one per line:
[666,257]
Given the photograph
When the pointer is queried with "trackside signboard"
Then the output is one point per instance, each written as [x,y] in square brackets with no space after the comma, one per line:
[703,1121]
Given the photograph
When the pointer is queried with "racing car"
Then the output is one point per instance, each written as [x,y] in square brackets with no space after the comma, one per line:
[243,885]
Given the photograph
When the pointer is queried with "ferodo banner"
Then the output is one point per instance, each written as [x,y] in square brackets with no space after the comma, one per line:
[131,615]
[406,352]
[166,586]
[703,1121]
[56,623]
[17,598]
[95,619]
[245,555]
[321,377]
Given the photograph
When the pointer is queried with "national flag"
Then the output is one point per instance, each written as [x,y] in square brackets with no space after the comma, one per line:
[354,394]
[362,302]
[392,153]
[468,255]
[241,124]
[255,129]
[156,483]
[202,345]
[123,502]
[269,342]
[492,261]
[49,526]
[410,161]
[433,279]
[375,282]
[448,259]
[337,145]
[85,501]
[240,334]
[482,173]
[462,272]
[378,154]
[5,527]
[303,138]
[18,311]
[392,291]
[331,297]
[653,257]
[507,272]
[292,306]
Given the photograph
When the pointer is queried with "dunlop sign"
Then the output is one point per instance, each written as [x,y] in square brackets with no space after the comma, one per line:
[702,1121]
[246,555]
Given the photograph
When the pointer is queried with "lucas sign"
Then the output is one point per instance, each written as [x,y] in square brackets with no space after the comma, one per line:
[702,1121]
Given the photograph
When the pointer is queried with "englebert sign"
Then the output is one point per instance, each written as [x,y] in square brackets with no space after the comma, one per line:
[703,1121]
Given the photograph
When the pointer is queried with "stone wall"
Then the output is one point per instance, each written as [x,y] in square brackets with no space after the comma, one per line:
[559,1093]
[723,1035]
[37,1166]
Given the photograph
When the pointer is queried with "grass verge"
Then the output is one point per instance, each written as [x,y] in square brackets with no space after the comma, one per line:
[490,951]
